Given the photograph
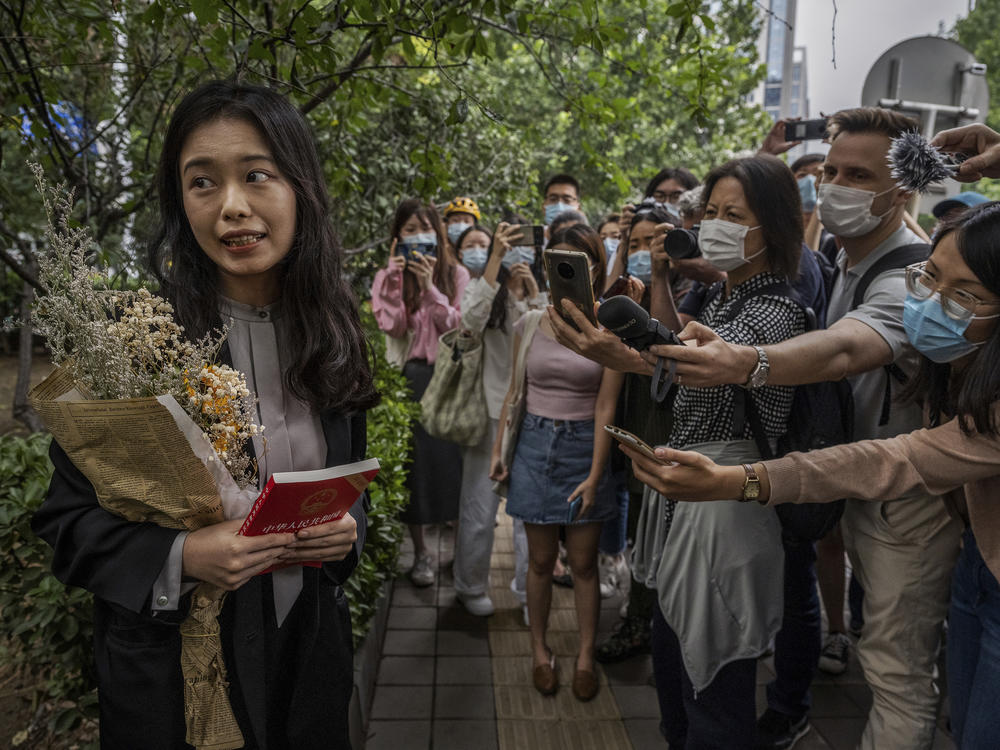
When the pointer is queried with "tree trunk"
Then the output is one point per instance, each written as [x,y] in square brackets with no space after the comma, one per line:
[22,411]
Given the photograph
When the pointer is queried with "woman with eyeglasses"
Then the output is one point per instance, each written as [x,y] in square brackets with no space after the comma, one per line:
[952,317]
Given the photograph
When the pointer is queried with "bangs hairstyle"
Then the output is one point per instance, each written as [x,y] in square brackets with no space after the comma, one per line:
[586,240]
[870,120]
[444,268]
[977,236]
[331,357]
[680,175]
[773,195]
[498,311]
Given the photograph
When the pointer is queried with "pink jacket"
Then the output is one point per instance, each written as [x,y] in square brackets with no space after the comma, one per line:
[435,315]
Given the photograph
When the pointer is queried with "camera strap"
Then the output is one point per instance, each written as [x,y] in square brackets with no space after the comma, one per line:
[660,386]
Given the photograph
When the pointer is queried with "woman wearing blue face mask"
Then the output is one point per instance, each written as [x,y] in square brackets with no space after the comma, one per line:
[952,317]
[415,299]
[496,298]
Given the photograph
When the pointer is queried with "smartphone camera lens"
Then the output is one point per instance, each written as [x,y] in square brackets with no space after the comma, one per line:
[565,270]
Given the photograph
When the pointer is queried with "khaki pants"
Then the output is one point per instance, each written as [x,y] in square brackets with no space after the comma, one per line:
[903,553]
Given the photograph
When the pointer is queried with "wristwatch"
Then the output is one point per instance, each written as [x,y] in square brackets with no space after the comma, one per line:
[758,375]
[751,485]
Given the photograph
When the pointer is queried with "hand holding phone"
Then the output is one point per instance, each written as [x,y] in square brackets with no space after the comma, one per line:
[570,279]
[806,130]
[633,441]
[524,235]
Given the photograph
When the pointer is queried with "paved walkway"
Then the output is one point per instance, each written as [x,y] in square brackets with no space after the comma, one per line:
[451,681]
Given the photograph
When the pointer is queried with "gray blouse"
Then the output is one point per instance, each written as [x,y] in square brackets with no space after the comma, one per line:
[258,345]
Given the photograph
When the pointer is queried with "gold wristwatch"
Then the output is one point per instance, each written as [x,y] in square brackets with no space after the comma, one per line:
[751,485]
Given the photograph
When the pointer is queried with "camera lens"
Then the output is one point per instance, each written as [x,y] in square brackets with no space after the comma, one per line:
[681,243]
[565,270]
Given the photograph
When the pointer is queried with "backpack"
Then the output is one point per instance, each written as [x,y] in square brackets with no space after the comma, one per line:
[822,414]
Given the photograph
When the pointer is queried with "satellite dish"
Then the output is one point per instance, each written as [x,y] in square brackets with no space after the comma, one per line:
[935,80]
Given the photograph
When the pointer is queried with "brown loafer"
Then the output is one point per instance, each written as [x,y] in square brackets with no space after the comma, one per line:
[585,685]
[545,678]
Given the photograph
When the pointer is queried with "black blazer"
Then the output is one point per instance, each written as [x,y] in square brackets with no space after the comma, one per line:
[137,650]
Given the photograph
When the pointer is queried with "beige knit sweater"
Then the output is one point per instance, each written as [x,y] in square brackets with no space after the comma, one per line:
[936,461]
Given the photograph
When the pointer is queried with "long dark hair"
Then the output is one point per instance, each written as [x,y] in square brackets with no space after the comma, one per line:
[444,269]
[498,311]
[585,239]
[331,358]
[773,196]
[977,236]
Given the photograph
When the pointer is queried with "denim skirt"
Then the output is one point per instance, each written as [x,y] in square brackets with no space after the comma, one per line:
[552,457]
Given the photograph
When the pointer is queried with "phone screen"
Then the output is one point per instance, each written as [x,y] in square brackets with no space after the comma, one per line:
[528,234]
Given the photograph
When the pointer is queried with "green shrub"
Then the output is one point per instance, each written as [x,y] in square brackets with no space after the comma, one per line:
[49,627]
[389,435]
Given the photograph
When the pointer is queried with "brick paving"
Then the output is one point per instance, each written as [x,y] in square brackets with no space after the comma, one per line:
[451,681]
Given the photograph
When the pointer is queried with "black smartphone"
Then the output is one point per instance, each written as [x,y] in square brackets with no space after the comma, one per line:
[574,509]
[619,287]
[569,278]
[806,130]
[528,234]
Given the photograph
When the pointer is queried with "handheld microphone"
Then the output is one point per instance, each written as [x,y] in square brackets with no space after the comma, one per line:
[634,326]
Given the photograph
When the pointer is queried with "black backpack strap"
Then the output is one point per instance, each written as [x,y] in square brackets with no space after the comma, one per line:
[900,257]
[744,409]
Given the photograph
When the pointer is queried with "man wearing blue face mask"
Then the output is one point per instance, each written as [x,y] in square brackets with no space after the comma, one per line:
[561,193]
[902,552]
[805,168]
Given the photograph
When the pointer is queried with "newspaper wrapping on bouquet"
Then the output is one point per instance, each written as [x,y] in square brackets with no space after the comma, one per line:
[148,461]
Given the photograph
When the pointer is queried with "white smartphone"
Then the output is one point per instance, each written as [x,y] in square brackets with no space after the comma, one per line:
[632,441]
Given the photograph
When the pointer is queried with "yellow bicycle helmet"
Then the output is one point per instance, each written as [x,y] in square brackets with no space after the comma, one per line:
[462,206]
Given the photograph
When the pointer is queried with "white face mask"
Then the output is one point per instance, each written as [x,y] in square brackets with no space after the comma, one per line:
[846,211]
[721,242]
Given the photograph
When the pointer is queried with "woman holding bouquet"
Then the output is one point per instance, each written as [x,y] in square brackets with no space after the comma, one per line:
[244,239]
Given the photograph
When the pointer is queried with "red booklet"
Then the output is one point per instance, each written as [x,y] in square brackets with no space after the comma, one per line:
[295,500]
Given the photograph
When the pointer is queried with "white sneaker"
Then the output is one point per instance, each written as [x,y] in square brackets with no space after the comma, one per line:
[614,575]
[422,574]
[833,657]
[480,606]
[520,595]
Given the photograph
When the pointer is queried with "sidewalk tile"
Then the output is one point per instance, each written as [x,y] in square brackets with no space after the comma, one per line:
[507,619]
[462,643]
[633,671]
[636,701]
[408,643]
[510,643]
[524,702]
[459,618]
[833,701]
[406,670]
[393,735]
[644,734]
[601,707]
[402,702]
[594,735]
[411,596]
[464,670]
[463,735]
[413,618]
[531,735]
[464,702]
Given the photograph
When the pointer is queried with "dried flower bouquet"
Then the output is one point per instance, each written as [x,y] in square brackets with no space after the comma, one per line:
[157,425]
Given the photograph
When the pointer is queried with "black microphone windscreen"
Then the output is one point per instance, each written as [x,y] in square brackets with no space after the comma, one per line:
[623,317]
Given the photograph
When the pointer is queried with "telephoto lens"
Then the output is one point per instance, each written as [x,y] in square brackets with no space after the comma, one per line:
[682,243]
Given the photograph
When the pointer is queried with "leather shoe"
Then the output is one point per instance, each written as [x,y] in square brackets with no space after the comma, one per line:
[545,678]
[585,684]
